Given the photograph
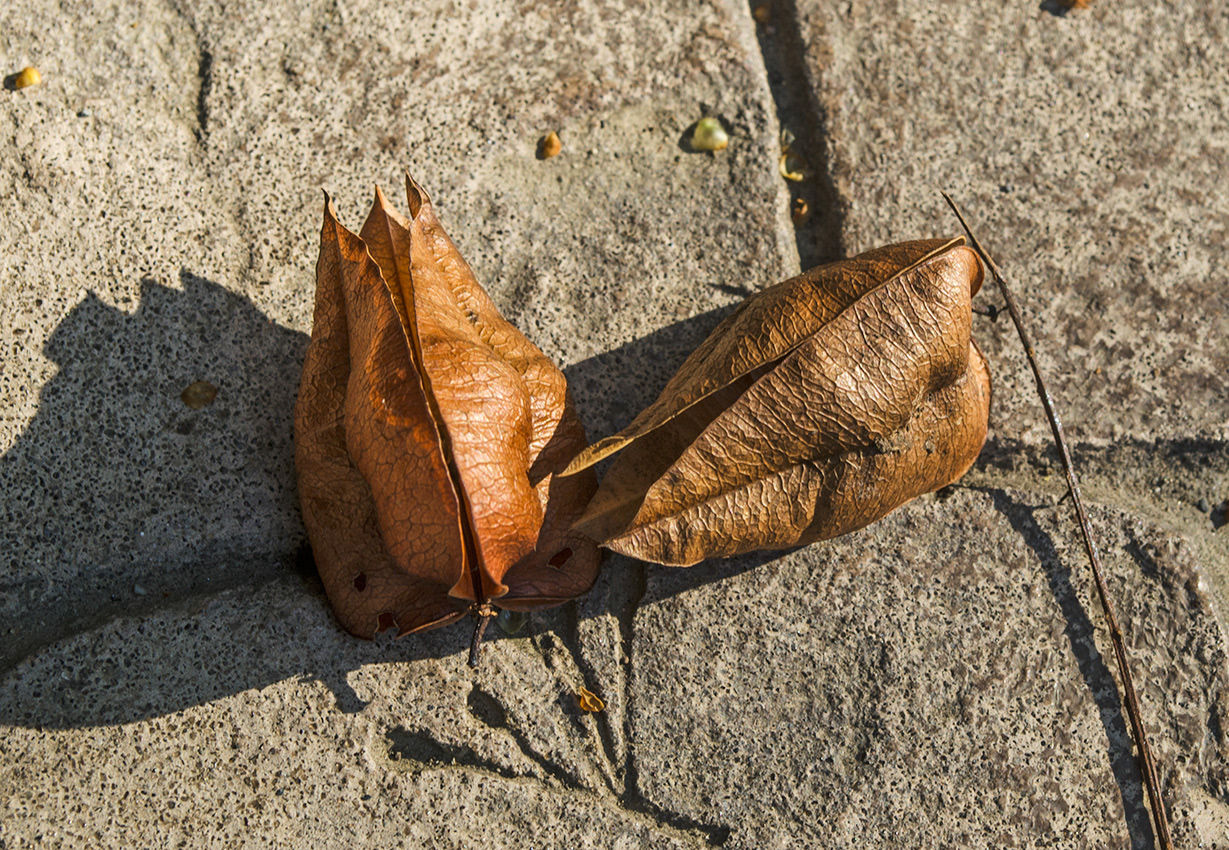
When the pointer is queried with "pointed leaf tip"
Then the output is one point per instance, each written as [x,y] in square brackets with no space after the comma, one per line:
[416,195]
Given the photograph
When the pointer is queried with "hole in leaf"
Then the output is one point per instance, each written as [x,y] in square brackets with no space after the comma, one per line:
[360,581]
[511,622]
[560,558]
[386,621]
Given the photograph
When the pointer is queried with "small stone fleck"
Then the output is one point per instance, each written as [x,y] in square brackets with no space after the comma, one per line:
[1203,506]
[85,113]
[139,590]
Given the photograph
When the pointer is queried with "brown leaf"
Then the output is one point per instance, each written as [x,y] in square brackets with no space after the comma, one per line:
[818,406]
[427,434]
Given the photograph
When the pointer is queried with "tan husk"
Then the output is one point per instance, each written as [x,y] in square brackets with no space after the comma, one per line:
[428,433]
[820,405]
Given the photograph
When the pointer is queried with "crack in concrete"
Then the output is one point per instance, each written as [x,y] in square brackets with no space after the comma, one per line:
[419,747]
[487,709]
[621,788]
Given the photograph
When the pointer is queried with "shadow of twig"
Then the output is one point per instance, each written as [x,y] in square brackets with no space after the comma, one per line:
[1101,684]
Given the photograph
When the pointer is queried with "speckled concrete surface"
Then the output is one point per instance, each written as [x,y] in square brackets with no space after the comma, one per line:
[170,674]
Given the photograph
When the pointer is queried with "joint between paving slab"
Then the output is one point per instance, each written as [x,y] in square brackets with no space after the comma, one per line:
[33,635]
[819,237]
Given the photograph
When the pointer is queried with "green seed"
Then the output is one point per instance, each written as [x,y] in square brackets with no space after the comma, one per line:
[709,135]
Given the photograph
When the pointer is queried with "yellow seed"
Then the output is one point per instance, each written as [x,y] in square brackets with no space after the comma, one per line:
[588,700]
[549,145]
[199,394]
[762,13]
[792,167]
[28,77]
[709,135]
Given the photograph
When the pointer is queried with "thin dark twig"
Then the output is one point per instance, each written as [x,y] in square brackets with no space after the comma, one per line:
[1147,765]
[484,614]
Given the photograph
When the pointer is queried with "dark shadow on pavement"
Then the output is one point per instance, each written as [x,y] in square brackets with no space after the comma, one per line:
[113,447]
[119,498]
[1100,681]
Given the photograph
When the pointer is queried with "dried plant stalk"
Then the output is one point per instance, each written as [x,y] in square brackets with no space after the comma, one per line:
[1147,764]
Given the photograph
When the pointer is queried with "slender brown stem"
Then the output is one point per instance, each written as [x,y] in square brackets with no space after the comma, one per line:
[1147,765]
[484,613]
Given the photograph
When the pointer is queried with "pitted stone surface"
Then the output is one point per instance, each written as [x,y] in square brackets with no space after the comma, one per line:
[942,678]
[1088,150]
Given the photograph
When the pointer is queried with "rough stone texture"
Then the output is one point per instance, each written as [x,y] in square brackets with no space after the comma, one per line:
[168,677]
[1089,150]
[896,702]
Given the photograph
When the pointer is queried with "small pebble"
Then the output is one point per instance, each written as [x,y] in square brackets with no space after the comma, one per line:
[138,590]
[709,135]
[549,145]
[27,77]
[85,113]
[1203,506]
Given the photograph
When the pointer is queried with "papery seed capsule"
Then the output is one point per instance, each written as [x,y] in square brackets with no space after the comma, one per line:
[709,135]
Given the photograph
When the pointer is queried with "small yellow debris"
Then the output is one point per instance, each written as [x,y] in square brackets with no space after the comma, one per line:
[549,145]
[199,394]
[588,700]
[26,78]
[709,135]
[799,211]
[792,167]
[762,13]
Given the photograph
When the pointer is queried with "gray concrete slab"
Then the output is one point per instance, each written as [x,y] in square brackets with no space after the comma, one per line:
[170,674]
[1089,149]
